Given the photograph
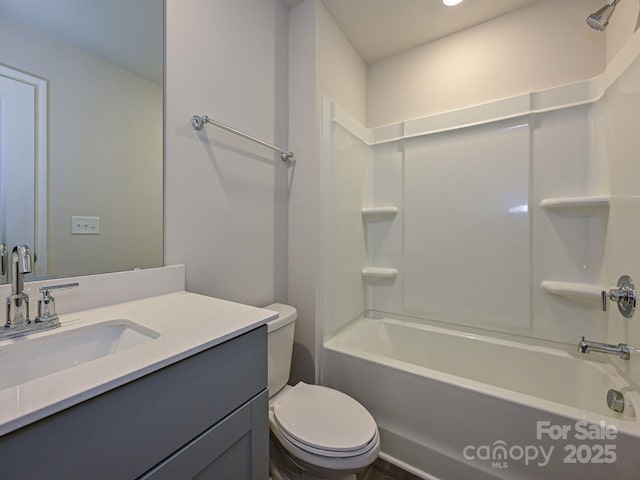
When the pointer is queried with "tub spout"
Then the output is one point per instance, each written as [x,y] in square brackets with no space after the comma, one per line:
[622,350]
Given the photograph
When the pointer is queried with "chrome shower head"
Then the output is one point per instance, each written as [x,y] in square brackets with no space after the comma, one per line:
[600,19]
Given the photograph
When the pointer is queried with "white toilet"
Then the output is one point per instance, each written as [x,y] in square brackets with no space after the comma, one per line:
[316,432]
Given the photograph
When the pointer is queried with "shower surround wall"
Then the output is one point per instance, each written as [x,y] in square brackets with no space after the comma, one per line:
[512,225]
[471,243]
[322,62]
[616,138]
[507,218]
[485,219]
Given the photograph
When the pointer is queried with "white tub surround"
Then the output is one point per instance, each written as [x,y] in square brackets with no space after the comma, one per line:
[508,196]
[514,204]
[439,395]
[181,324]
[509,219]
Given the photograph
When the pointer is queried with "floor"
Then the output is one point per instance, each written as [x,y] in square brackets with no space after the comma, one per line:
[381,470]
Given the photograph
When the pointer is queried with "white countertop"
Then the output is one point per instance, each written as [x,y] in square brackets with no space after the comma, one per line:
[188,323]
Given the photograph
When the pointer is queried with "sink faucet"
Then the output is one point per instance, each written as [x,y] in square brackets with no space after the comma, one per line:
[18,301]
[622,350]
[18,322]
[4,261]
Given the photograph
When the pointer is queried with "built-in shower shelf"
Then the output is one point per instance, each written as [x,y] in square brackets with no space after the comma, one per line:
[585,206]
[585,292]
[379,213]
[379,273]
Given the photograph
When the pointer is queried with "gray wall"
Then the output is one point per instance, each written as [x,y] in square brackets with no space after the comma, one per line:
[226,198]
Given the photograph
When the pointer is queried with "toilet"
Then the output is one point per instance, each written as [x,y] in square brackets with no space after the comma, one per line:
[316,432]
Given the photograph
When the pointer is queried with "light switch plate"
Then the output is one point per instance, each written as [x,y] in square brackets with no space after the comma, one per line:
[85,225]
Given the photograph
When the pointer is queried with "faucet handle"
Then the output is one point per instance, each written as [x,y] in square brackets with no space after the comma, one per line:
[47,304]
[625,296]
[46,289]
[583,346]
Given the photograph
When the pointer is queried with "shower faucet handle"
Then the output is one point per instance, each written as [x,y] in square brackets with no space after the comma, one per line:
[624,295]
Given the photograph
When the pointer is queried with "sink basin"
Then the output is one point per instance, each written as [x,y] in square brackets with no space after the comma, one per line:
[27,359]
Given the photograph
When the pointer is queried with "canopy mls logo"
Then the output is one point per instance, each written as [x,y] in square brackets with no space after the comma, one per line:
[500,453]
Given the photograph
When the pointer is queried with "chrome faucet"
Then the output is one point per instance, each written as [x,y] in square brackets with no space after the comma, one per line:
[18,322]
[622,350]
[624,295]
[4,261]
[47,305]
[18,301]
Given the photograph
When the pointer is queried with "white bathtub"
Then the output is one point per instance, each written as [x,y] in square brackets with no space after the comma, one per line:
[453,405]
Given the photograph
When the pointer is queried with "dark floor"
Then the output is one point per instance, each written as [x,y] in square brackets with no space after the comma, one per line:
[381,470]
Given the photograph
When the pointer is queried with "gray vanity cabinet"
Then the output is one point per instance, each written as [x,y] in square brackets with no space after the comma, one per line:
[204,417]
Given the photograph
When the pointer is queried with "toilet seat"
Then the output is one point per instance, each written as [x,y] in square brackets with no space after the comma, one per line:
[325,422]
[328,453]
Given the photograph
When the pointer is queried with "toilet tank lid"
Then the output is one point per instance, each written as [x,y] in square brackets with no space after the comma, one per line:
[286,315]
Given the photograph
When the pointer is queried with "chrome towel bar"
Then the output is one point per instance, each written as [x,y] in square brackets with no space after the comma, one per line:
[198,122]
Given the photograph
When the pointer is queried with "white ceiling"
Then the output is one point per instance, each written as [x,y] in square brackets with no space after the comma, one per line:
[379,28]
[128,33]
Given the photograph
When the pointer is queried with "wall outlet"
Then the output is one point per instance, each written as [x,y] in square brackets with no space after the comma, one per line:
[85,225]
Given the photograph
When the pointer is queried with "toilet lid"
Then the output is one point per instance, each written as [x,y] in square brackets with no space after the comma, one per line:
[324,419]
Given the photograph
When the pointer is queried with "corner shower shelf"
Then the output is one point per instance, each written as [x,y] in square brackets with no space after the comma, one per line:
[379,213]
[584,206]
[585,292]
[378,273]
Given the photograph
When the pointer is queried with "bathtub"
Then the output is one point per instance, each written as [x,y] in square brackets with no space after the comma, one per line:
[454,405]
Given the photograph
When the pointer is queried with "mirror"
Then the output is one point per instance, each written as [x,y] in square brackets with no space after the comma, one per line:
[81,133]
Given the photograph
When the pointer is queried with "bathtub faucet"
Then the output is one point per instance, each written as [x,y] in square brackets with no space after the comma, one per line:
[622,350]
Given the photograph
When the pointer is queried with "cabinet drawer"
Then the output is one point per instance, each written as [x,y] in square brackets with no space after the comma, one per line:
[235,449]
[127,431]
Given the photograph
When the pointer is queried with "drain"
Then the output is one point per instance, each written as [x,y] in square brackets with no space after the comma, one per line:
[615,400]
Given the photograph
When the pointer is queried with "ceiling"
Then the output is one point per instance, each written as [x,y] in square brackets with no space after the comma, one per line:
[123,32]
[379,28]
[375,28]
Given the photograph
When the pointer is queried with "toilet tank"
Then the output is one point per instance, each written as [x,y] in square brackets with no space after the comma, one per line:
[280,346]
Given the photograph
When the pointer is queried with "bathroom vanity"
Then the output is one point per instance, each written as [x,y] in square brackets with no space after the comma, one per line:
[189,401]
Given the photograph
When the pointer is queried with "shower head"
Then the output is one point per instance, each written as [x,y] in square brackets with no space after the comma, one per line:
[600,19]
